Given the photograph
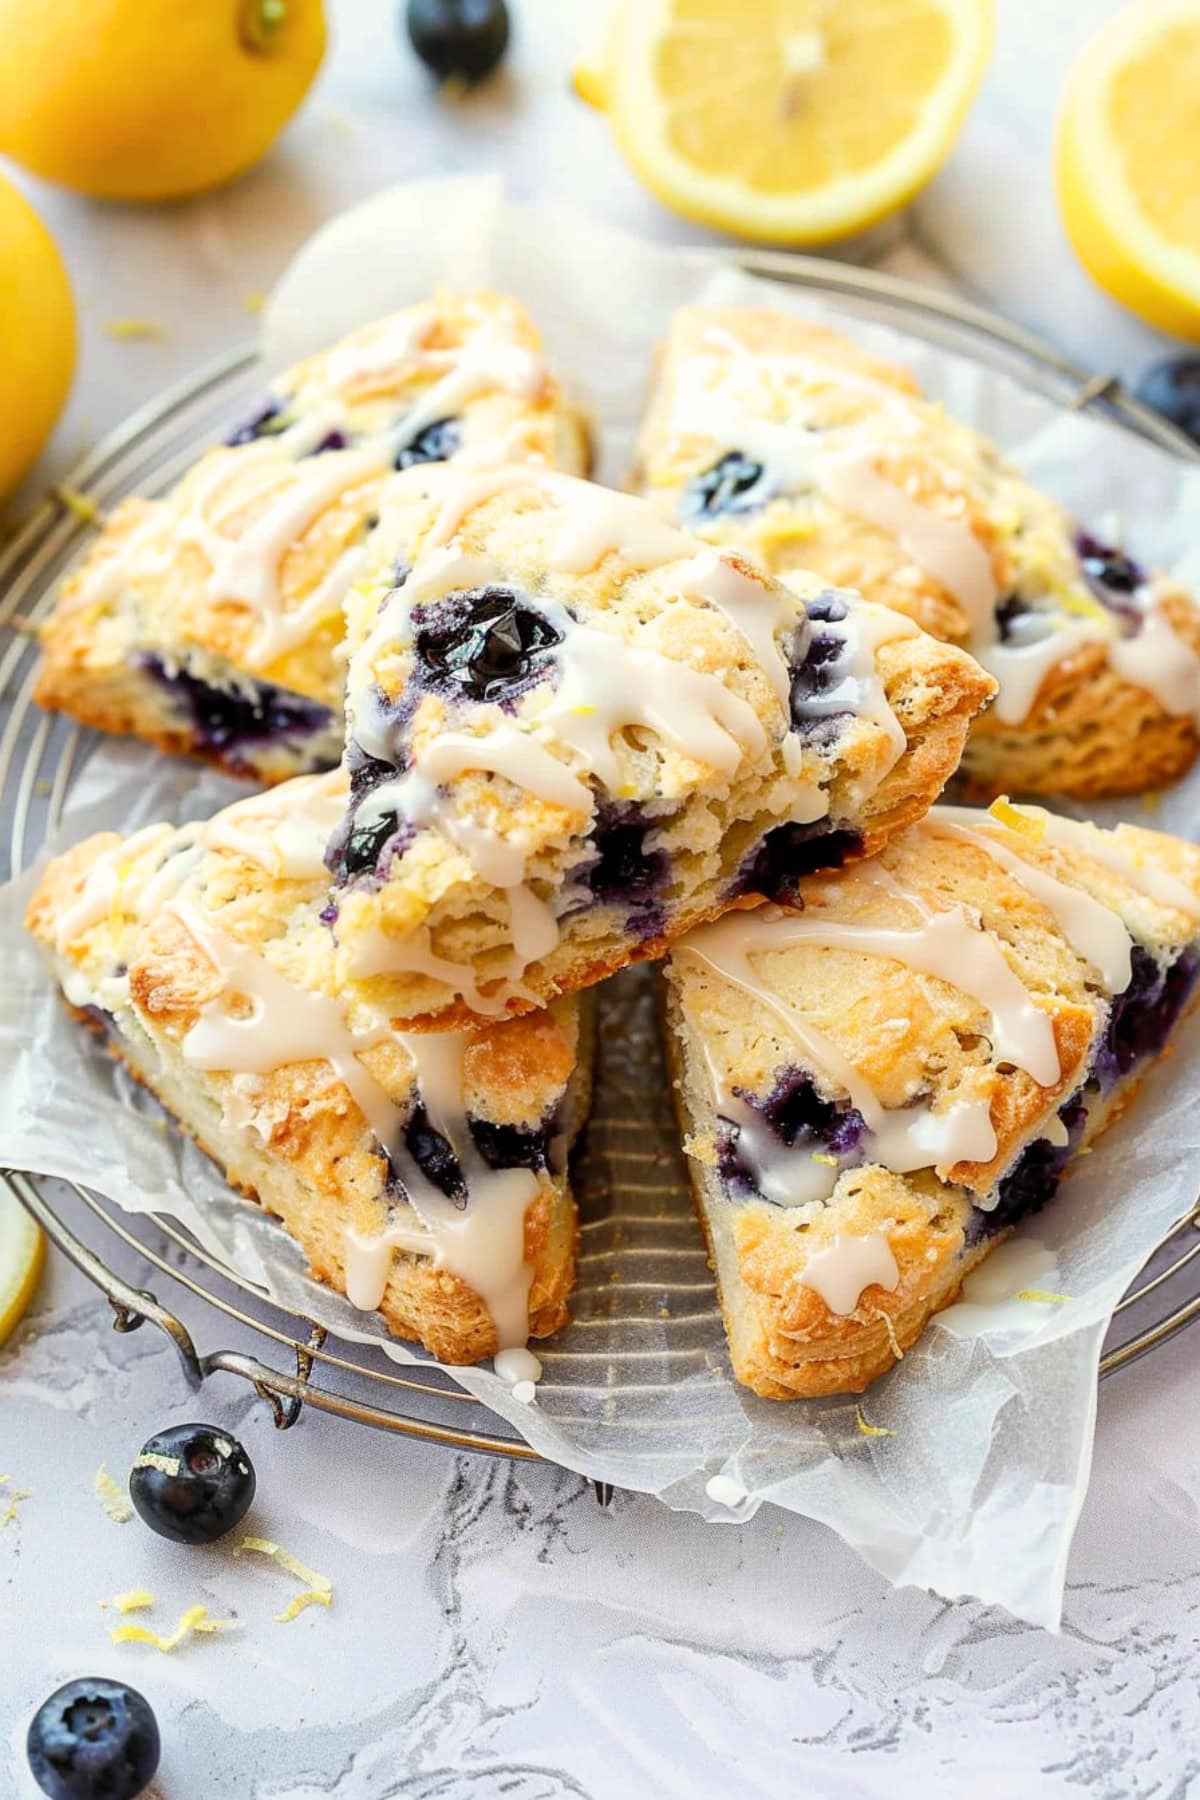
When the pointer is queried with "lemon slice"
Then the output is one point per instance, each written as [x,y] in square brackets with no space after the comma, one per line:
[22,1253]
[1127,161]
[790,121]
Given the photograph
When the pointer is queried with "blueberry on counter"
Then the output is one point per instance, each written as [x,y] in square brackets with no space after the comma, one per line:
[93,1740]
[192,1483]
[1173,389]
[463,38]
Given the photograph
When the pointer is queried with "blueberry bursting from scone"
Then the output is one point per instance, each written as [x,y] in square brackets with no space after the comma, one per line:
[572,733]
[877,1088]
[209,621]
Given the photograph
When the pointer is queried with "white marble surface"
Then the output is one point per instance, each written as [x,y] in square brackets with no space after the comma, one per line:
[494,1631]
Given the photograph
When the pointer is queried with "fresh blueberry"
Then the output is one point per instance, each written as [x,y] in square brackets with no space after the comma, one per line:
[437,443]
[486,644]
[192,1483]
[465,38]
[1008,611]
[93,1740]
[729,486]
[1173,389]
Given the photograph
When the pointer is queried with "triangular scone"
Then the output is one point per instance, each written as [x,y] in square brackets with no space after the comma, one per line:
[208,621]
[778,436]
[423,1176]
[573,732]
[876,1090]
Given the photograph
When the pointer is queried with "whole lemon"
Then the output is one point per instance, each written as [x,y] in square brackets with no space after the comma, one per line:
[151,99]
[37,335]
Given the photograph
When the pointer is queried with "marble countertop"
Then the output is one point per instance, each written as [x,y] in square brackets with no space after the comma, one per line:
[494,1630]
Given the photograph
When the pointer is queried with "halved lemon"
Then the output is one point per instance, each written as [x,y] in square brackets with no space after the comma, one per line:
[789,121]
[22,1254]
[1127,161]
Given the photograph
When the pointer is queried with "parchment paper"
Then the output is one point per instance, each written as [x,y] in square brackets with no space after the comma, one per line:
[975,1466]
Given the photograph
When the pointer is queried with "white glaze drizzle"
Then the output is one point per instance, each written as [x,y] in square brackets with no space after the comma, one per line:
[483,1242]
[734,410]
[101,886]
[286,830]
[1093,930]
[1022,664]
[1157,659]
[902,1139]
[1132,865]
[246,570]
[841,1273]
[944,547]
[948,946]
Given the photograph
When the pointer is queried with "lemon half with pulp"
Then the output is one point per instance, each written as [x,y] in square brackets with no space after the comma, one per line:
[1127,161]
[789,121]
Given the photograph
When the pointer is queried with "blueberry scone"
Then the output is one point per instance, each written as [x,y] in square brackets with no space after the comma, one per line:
[209,621]
[876,1089]
[423,1176]
[781,437]
[573,732]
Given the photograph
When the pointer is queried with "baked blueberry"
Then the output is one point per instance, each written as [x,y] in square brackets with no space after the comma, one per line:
[225,719]
[93,1739]
[436,443]
[267,420]
[465,38]
[192,1483]
[731,485]
[1110,567]
[488,644]
[1173,389]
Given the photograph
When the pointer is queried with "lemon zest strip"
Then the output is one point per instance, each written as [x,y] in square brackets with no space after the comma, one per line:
[869,1430]
[1040,1294]
[133,1600]
[135,331]
[319,1590]
[195,1619]
[1005,813]
[80,506]
[111,1498]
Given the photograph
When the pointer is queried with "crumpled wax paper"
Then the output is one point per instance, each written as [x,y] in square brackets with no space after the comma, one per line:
[973,1465]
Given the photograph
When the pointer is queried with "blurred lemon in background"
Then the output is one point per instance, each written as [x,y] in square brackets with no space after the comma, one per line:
[22,1257]
[1127,161]
[790,121]
[37,335]
[151,99]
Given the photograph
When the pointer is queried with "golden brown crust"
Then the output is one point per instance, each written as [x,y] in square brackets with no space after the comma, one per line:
[1089,732]
[293,1137]
[863,780]
[905,1034]
[150,586]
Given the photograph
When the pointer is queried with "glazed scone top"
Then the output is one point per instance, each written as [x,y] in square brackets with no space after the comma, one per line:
[531,652]
[783,437]
[952,992]
[249,558]
[209,937]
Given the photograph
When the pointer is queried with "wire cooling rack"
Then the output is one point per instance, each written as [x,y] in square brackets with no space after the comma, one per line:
[633,1196]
